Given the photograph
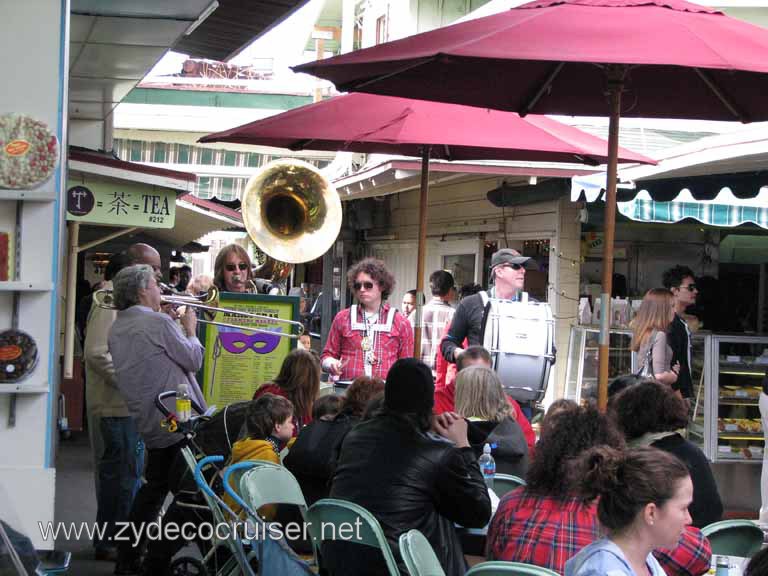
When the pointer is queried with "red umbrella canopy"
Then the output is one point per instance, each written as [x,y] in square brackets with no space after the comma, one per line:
[684,61]
[388,125]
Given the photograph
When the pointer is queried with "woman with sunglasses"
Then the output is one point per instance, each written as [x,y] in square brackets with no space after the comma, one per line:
[232,270]
[367,338]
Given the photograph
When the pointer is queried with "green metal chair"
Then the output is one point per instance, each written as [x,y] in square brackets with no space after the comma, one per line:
[496,568]
[734,537]
[268,483]
[418,555]
[330,519]
[503,483]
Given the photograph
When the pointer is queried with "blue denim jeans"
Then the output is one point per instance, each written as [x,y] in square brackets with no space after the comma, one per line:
[119,470]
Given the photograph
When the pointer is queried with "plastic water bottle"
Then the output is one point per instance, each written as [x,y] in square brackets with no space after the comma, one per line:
[487,466]
[722,566]
[183,403]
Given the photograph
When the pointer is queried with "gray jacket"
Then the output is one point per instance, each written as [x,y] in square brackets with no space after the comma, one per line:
[151,355]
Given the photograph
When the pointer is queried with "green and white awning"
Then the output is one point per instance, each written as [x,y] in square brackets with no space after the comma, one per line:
[724,210]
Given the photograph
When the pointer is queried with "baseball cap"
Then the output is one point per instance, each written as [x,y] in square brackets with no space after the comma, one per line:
[510,256]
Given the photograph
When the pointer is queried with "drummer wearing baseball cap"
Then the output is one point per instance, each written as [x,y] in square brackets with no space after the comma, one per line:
[507,275]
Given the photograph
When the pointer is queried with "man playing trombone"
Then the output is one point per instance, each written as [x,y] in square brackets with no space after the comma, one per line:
[150,356]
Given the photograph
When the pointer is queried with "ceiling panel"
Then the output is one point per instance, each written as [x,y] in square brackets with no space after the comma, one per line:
[99,90]
[80,27]
[116,61]
[87,110]
[172,9]
[135,31]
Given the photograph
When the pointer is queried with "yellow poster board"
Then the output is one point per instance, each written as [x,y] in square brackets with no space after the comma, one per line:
[236,361]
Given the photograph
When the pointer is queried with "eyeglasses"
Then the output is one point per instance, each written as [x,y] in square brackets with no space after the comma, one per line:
[233,267]
[513,266]
[358,285]
[690,287]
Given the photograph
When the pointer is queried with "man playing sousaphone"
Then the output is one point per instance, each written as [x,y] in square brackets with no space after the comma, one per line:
[369,337]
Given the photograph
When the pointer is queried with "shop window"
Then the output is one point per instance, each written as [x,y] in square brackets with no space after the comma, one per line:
[205,156]
[230,158]
[136,149]
[183,154]
[160,150]
[381,29]
[227,191]
[204,187]
[253,160]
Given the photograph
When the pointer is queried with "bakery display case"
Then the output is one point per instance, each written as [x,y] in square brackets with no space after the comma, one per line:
[726,416]
[581,369]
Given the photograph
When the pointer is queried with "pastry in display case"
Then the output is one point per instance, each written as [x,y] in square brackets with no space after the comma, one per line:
[726,415]
[741,367]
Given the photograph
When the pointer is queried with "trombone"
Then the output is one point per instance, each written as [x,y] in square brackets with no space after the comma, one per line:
[206,301]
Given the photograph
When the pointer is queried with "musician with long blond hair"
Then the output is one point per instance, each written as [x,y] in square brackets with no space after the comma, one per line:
[649,329]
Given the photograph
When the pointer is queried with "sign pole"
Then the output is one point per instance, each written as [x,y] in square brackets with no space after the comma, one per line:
[69,323]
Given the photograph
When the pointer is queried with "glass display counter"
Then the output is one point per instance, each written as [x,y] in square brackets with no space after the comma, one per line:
[581,369]
[726,372]
[726,417]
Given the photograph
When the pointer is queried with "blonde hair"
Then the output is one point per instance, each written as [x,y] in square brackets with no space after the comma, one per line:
[655,313]
[479,395]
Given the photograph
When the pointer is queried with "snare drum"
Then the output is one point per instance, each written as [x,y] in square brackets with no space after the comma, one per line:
[520,338]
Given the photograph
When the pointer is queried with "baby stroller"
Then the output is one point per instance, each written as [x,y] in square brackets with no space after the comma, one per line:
[225,554]
[220,556]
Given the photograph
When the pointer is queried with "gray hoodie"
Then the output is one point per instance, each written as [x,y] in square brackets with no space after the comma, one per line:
[604,558]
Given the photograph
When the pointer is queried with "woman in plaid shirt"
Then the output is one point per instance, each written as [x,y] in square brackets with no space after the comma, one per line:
[546,523]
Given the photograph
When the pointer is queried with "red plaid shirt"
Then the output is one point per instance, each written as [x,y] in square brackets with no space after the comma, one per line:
[548,532]
[345,344]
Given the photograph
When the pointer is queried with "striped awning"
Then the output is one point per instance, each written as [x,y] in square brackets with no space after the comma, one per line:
[724,210]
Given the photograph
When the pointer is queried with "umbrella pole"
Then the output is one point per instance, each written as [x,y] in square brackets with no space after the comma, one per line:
[615,85]
[422,250]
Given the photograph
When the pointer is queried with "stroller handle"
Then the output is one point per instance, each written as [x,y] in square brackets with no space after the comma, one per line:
[200,479]
[172,394]
[227,472]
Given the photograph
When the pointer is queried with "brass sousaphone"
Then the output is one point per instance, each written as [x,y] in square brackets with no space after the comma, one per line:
[291,212]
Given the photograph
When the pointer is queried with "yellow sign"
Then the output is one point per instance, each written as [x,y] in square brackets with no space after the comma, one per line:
[236,361]
[121,204]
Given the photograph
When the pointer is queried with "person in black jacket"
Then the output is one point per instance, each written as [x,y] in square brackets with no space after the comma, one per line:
[409,470]
[312,458]
[481,399]
[508,276]
[649,413]
[681,282]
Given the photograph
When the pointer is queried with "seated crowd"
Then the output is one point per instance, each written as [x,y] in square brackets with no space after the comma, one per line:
[604,491]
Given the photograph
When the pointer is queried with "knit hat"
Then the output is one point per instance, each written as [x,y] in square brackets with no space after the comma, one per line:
[409,387]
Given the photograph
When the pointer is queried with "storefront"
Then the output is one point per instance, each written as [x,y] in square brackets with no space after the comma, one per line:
[716,223]
[465,227]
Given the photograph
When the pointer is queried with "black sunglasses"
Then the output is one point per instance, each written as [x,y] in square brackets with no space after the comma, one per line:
[690,287]
[358,285]
[513,266]
[233,267]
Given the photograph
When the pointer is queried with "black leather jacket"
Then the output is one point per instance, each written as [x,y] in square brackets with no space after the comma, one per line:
[407,479]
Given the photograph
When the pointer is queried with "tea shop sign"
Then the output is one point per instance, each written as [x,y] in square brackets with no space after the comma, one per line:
[121,204]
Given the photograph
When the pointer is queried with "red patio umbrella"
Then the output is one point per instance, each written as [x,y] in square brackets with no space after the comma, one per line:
[387,125]
[662,58]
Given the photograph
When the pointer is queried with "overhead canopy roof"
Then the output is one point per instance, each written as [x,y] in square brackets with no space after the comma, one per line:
[706,168]
[233,25]
[114,44]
